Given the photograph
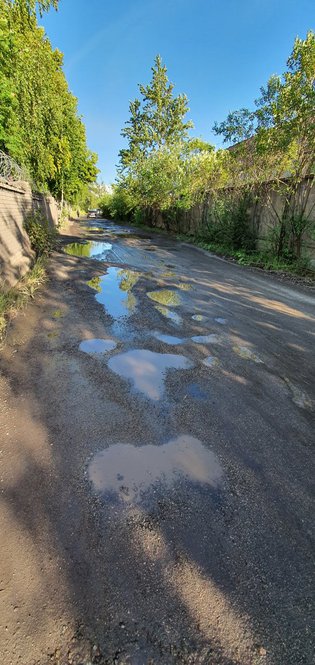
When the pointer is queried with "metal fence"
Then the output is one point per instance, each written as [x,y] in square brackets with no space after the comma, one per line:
[9,169]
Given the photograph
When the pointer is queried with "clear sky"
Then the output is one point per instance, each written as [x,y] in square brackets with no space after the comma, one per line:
[219,52]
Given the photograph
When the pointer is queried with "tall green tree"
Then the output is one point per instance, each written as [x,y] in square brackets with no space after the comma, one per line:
[39,122]
[157,120]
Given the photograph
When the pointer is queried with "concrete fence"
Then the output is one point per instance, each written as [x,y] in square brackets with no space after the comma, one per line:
[17,201]
[263,214]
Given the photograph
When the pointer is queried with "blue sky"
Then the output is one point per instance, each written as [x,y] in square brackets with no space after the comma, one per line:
[218,52]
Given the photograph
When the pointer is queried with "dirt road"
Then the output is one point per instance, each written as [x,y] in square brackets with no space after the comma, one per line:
[156,413]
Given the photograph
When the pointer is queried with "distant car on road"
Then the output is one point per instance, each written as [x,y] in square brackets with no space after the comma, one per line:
[92,213]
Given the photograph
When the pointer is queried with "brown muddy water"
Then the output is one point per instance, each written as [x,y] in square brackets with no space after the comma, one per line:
[126,471]
[147,369]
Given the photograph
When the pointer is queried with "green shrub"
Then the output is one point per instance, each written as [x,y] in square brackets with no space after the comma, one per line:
[42,237]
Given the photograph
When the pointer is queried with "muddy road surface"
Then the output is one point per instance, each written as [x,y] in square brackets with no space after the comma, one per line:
[157,423]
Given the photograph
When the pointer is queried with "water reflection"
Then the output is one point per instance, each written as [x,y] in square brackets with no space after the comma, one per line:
[114,291]
[169,314]
[199,317]
[125,471]
[206,339]
[246,353]
[91,249]
[168,339]
[147,370]
[211,361]
[97,345]
[165,297]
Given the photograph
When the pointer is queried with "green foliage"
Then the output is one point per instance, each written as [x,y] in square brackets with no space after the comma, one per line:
[42,237]
[278,142]
[156,121]
[39,122]
[228,222]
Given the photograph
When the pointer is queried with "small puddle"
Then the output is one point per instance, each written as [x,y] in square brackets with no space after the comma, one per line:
[222,322]
[246,353]
[165,297]
[194,391]
[183,286]
[169,314]
[168,273]
[168,339]
[91,249]
[206,339]
[97,345]
[147,369]
[299,397]
[211,361]
[57,314]
[114,291]
[124,472]
[199,317]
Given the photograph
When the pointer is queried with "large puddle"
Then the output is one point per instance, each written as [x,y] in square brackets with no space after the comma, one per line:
[124,472]
[92,250]
[147,369]
[114,291]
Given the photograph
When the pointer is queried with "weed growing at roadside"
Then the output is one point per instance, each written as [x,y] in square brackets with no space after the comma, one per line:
[16,298]
[42,237]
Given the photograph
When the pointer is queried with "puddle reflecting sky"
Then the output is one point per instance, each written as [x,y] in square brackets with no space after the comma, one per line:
[114,291]
[199,317]
[206,339]
[126,471]
[169,314]
[91,249]
[168,339]
[97,345]
[246,353]
[147,370]
[211,361]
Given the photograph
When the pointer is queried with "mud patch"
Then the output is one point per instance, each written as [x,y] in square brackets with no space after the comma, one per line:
[168,339]
[246,353]
[97,345]
[147,369]
[126,472]
[165,297]
[206,339]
